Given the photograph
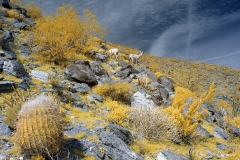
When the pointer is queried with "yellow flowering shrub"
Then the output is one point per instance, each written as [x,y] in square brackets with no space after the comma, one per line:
[118,113]
[190,121]
[33,11]
[63,36]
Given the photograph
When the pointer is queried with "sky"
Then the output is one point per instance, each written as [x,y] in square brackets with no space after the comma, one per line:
[197,30]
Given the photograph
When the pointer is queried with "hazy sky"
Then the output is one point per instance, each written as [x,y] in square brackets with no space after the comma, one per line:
[199,30]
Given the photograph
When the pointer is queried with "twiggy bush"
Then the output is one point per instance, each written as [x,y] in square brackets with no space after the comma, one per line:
[153,124]
[118,91]
[39,129]
[63,36]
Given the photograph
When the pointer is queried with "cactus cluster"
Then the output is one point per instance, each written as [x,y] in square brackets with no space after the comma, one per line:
[12,107]
[39,129]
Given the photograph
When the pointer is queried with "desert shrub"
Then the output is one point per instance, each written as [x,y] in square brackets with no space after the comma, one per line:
[16,2]
[13,13]
[63,36]
[33,11]
[55,80]
[189,122]
[159,74]
[117,112]
[153,124]
[236,101]
[118,91]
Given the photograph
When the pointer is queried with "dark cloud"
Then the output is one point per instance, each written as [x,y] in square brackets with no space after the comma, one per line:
[199,30]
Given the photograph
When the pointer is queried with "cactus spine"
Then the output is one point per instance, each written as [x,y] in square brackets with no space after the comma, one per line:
[39,129]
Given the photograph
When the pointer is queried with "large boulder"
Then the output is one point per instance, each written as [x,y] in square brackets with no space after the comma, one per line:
[81,72]
[100,57]
[6,4]
[87,147]
[25,51]
[97,69]
[121,133]
[95,98]
[81,87]
[40,75]
[101,75]
[167,83]
[236,131]
[20,25]
[2,59]
[7,37]
[4,129]
[9,53]
[152,76]
[125,71]
[25,83]
[114,147]
[141,100]
[14,68]
[220,133]
[82,145]
[2,54]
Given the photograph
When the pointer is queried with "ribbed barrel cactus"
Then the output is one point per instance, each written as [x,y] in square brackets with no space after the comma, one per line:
[39,129]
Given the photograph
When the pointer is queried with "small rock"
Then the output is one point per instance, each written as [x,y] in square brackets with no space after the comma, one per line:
[221,146]
[82,87]
[236,131]
[7,86]
[169,155]
[121,133]
[220,133]
[4,129]
[14,68]
[38,74]
[20,25]
[140,100]
[95,97]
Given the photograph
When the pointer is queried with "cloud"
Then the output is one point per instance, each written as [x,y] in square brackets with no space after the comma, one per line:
[201,35]
[222,56]
[189,29]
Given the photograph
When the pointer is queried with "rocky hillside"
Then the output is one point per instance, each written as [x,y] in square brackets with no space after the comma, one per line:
[99,107]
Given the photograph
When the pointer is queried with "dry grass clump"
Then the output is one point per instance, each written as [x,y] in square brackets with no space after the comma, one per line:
[118,91]
[153,124]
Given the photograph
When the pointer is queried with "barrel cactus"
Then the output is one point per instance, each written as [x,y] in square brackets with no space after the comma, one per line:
[39,129]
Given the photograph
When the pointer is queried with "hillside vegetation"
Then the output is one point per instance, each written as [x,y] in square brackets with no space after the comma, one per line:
[65,96]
